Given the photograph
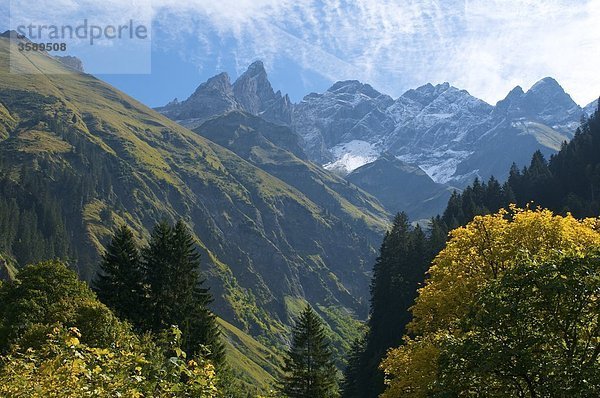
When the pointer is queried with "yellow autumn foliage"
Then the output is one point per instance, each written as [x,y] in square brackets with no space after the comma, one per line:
[475,255]
[63,367]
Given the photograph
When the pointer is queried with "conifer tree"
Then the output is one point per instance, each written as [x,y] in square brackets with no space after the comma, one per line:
[310,371]
[199,326]
[352,373]
[404,256]
[176,295]
[119,284]
[158,276]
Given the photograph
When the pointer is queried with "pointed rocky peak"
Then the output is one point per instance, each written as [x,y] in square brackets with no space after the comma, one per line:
[510,103]
[253,89]
[547,100]
[213,97]
[219,82]
[548,89]
[256,68]
[516,92]
[547,84]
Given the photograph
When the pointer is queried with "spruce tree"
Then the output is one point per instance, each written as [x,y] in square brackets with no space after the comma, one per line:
[310,371]
[350,384]
[158,276]
[176,295]
[199,325]
[404,257]
[119,284]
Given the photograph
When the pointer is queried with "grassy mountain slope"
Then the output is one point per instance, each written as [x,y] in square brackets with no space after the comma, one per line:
[274,149]
[102,158]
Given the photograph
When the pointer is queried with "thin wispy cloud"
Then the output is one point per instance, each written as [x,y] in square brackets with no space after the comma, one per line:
[484,46]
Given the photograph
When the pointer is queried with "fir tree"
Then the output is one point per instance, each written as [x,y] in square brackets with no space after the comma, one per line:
[310,371]
[119,284]
[176,295]
[158,276]
[404,257]
[352,373]
[199,325]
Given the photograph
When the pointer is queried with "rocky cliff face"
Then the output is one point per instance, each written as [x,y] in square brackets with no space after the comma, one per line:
[71,62]
[251,92]
[214,97]
[349,112]
[451,135]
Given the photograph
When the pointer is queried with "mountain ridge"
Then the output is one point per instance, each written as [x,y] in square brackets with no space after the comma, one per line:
[443,129]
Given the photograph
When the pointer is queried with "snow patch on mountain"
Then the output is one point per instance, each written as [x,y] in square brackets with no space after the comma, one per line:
[439,165]
[351,155]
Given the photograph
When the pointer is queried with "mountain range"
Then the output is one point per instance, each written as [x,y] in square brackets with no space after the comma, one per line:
[437,136]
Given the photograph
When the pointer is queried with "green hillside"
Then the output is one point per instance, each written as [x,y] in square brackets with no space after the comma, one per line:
[78,157]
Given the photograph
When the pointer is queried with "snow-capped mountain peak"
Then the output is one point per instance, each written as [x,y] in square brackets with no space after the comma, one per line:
[449,133]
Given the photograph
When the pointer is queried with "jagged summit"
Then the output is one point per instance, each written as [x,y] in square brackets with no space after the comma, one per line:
[256,67]
[213,97]
[353,87]
[450,134]
[251,92]
[253,89]
[546,101]
[427,93]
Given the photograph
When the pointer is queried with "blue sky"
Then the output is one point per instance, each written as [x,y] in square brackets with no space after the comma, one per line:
[484,46]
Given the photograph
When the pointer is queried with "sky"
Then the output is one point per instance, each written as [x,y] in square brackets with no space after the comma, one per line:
[484,46]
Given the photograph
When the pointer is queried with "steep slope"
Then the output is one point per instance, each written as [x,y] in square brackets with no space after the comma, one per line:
[591,108]
[105,159]
[240,132]
[402,187]
[7,269]
[275,149]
